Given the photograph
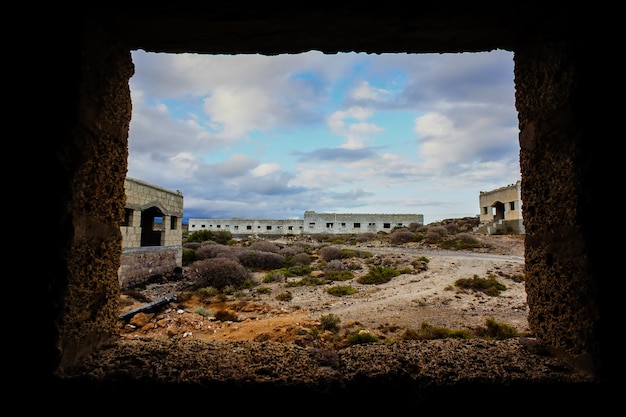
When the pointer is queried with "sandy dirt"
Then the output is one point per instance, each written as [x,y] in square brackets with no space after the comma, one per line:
[385,310]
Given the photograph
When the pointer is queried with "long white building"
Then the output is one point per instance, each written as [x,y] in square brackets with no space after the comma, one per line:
[333,223]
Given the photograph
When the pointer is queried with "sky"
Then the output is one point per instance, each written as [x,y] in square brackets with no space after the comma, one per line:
[270,137]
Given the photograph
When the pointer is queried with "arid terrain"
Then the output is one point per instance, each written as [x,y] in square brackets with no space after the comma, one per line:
[385,310]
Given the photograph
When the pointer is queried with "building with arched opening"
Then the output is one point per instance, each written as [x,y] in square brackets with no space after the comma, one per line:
[501,210]
[151,232]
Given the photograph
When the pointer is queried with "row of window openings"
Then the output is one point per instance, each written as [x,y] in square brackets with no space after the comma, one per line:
[156,222]
[511,208]
[311,226]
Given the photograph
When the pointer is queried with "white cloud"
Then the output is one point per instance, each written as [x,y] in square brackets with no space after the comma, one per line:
[348,111]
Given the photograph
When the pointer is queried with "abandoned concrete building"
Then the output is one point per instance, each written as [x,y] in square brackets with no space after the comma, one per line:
[152,232]
[501,210]
[313,223]
[571,362]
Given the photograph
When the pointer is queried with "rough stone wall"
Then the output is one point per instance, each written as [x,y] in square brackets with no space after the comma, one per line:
[139,265]
[96,160]
[559,278]
[570,295]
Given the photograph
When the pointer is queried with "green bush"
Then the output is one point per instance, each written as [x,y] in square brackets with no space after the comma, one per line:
[206,292]
[360,337]
[222,236]
[429,332]
[461,241]
[189,256]
[204,312]
[378,275]
[330,322]
[264,290]
[308,281]
[334,275]
[341,290]
[489,286]
[284,296]
[496,330]
[273,276]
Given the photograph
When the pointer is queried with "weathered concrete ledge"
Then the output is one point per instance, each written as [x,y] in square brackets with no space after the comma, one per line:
[402,373]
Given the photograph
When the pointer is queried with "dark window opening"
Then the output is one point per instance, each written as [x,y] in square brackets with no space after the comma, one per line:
[151,227]
[357,225]
[128,217]
[386,225]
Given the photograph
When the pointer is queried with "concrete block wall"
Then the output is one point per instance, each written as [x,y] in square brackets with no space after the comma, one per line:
[140,260]
[141,196]
[502,196]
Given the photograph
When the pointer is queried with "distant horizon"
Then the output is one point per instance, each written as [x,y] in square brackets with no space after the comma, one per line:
[256,136]
[320,212]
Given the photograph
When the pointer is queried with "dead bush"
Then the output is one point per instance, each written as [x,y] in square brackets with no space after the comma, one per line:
[265,246]
[328,253]
[402,236]
[261,260]
[218,273]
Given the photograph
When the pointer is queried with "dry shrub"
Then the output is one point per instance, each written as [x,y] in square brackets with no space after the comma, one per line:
[402,236]
[265,246]
[334,265]
[217,250]
[302,259]
[435,234]
[218,273]
[328,253]
[365,237]
[467,238]
[261,260]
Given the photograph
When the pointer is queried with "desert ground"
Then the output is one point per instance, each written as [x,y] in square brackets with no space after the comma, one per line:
[384,310]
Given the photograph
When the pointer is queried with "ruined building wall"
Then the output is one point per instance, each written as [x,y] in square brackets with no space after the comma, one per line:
[331,223]
[507,203]
[140,260]
[555,169]
[570,296]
